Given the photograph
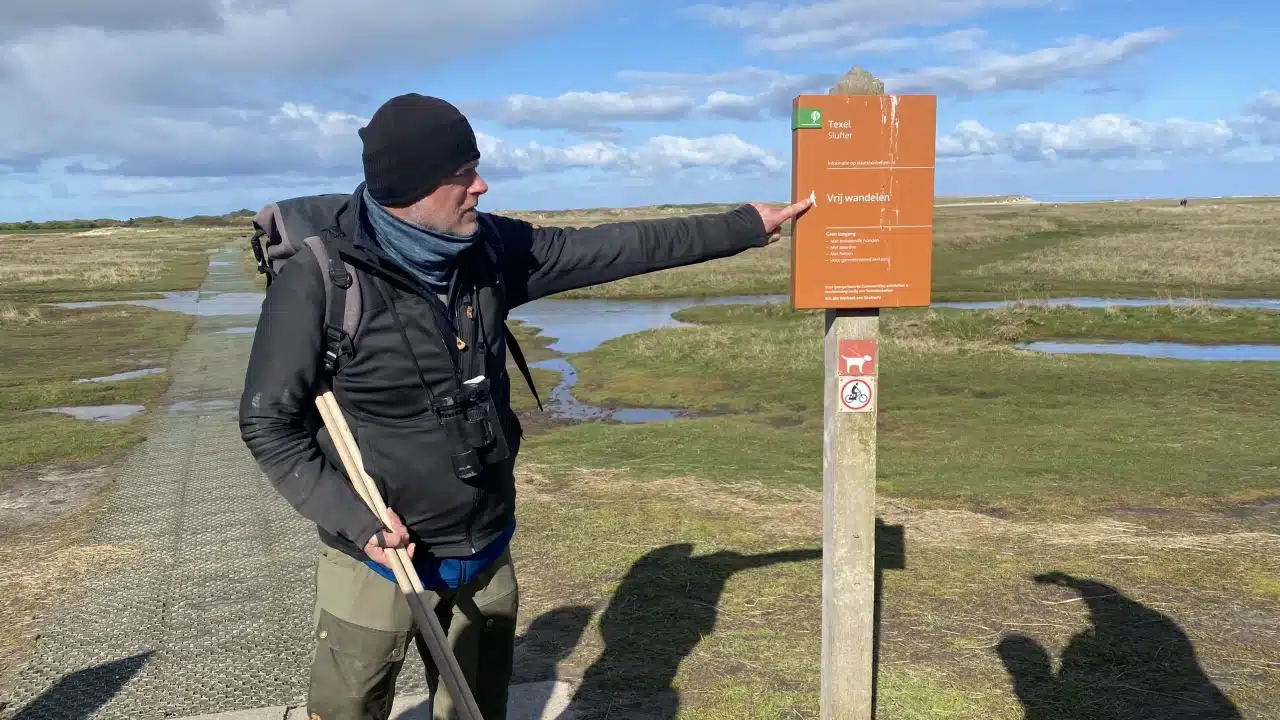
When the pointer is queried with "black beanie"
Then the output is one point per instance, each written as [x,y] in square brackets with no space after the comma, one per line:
[411,144]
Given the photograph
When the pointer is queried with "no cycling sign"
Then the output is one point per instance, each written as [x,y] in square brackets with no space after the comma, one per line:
[856,394]
[856,371]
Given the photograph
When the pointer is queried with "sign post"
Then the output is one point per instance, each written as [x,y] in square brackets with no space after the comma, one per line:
[867,160]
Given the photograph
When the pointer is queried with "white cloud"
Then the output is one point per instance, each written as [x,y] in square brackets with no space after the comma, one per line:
[1254,154]
[148,97]
[739,77]
[1111,136]
[660,96]
[667,152]
[732,105]
[1267,105]
[957,41]
[753,93]
[291,139]
[995,71]
[774,100]
[746,93]
[132,186]
[661,154]
[192,87]
[584,110]
[1262,118]
[969,138]
[837,23]
[116,16]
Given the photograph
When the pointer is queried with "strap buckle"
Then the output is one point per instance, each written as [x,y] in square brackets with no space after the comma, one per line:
[333,346]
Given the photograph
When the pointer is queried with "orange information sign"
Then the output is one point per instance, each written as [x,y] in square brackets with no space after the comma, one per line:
[868,162]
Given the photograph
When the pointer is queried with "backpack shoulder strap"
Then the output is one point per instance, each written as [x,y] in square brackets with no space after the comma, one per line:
[518,355]
[342,299]
[493,247]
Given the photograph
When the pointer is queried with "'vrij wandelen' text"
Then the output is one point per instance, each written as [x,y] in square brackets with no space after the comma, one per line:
[838,199]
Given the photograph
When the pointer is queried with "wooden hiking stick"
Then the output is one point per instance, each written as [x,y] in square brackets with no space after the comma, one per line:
[401,565]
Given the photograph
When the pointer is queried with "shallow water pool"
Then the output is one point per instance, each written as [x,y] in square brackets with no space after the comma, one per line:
[1176,351]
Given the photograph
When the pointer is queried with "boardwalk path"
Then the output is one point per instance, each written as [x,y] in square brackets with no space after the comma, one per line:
[213,610]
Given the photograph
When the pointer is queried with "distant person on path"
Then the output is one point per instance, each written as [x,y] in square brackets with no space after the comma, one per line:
[437,280]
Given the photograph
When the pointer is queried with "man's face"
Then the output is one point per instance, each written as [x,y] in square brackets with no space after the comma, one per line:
[450,208]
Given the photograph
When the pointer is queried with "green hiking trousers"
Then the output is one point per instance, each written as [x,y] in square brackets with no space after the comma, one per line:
[362,629]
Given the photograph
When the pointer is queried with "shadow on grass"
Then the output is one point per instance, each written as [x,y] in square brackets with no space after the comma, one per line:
[665,605]
[80,694]
[662,609]
[891,554]
[1133,663]
[551,637]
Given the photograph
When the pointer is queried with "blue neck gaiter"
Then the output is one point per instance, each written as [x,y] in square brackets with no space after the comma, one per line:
[426,254]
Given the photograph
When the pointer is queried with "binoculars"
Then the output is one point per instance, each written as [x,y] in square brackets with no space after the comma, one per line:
[475,431]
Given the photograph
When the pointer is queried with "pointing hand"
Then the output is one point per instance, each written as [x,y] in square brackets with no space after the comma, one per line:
[774,217]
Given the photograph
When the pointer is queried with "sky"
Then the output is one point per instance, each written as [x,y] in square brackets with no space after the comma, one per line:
[182,107]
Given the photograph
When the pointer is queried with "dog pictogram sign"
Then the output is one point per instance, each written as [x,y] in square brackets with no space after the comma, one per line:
[856,394]
[857,357]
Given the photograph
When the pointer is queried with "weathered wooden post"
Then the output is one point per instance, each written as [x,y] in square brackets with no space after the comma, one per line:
[867,160]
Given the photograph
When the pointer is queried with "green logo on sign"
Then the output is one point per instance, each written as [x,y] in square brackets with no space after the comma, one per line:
[806,118]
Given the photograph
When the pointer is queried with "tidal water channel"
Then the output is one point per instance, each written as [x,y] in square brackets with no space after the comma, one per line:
[581,325]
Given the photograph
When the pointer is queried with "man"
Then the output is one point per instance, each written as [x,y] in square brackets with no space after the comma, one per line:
[436,286]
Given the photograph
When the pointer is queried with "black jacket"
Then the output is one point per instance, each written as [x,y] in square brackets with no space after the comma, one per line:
[378,387]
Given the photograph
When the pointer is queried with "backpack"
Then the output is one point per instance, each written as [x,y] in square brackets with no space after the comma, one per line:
[290,225]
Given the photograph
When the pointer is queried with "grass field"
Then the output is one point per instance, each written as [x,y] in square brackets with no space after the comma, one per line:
[106,263]
[1221,248]
[1106,429]
[48,348]
[1154,483]
[677,565]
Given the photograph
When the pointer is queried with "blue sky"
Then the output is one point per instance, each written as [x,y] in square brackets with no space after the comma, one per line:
[145,107]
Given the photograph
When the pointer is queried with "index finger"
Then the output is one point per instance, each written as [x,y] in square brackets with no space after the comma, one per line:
[796,208]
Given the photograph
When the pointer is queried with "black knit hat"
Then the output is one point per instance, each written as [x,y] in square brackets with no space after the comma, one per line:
[411,144]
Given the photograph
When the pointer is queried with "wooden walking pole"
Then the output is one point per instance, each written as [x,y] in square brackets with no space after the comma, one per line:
[867,160]
[401,564]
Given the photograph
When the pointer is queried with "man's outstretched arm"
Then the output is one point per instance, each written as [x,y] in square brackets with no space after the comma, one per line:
[541,261]
[279,395]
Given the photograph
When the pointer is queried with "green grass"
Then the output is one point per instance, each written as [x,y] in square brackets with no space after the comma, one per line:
[999,466]
[1227,248]
[1194,324]
[712,449]
[49,349]
[107,263]
[715,591]
[965,418]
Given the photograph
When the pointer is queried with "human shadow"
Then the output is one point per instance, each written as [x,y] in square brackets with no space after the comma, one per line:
[551,637]
[80,694]
[1133,663]
[666,604]
[890,554]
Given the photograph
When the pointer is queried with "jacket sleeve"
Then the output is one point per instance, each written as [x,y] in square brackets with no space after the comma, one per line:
[541,261]
[277,406]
